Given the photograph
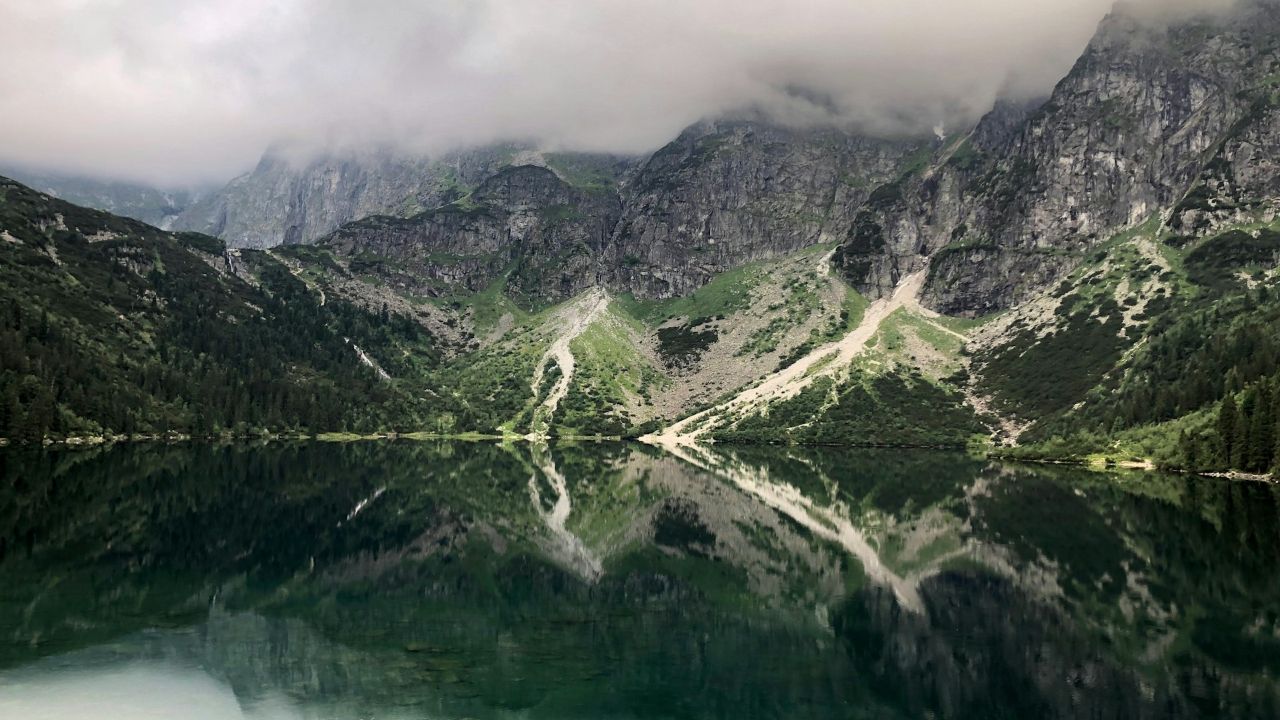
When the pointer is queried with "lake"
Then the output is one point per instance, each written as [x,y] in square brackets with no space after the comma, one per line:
[475,580]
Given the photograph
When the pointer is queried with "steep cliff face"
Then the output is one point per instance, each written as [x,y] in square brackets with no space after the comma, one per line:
[923,211]
[284,202]
[727,193]
[524,223]
[1146,112]
[1173,120]
[722,195]
[1124,136]
[1240,183]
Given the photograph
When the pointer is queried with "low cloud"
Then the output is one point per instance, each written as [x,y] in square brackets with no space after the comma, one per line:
[189,91]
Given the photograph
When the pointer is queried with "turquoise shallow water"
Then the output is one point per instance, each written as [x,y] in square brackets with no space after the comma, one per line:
[471,580]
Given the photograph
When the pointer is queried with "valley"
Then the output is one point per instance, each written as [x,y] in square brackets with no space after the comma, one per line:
[525,359]
[1044,284]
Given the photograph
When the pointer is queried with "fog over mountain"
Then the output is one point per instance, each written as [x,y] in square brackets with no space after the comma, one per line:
[178,92]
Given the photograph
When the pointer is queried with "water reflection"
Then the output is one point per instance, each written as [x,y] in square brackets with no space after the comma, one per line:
[137,691]
[566,548]
[481,580]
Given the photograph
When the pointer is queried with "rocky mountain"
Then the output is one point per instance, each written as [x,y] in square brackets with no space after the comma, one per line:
[722,195]
[290,198]
[1095,272]
[153,206]
[1153,120]
[524,224]
[727,193]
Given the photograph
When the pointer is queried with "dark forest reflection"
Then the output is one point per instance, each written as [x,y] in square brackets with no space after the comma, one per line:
[585,581]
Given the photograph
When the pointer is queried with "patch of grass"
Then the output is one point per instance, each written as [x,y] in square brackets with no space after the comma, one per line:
[966,158]
[610,381]
[203,243]
[489,305]
[588,171]
[727,293]
[917,162]
[559,215]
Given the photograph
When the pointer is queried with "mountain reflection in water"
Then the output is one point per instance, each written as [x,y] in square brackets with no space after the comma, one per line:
[612,580]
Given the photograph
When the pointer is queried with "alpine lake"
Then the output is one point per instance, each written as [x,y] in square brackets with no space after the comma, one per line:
[401,579]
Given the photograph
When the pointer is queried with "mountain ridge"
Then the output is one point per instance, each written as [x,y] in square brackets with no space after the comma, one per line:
[1090,255]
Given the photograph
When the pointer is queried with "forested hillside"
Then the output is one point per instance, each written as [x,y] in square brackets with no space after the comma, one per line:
[108,325]
[1091,276]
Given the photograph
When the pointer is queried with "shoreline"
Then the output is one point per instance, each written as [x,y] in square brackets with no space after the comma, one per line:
[92,441]
[1143,465]
[84,442]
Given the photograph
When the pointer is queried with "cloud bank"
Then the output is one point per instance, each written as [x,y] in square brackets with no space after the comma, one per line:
[190,91]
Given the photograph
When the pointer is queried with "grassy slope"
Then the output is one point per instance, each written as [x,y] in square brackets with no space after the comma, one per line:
[1137,351]
[901,391]
[744,324]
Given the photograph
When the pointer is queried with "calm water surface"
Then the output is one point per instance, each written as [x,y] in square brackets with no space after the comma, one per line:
[413,580]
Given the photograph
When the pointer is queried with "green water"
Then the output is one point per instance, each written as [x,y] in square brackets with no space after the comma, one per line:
[418,580]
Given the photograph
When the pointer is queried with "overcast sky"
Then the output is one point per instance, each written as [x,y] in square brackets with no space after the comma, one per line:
[192,91]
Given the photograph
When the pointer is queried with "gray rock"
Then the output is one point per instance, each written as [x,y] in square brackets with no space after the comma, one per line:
[727,193]
[283,202]
[524,224]
[1124,137]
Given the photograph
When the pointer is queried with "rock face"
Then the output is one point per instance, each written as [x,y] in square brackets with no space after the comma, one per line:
[524,223]
[722,195]
[1173,121]
[727,193]
[1146,111]
[284,202]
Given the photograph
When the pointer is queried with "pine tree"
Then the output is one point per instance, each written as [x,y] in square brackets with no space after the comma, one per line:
[38,416]
[1228,428]
[1189,449]
[1260,442]
[15,314]
[1275,428]
[1275,455]
[12,413]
